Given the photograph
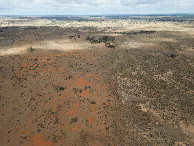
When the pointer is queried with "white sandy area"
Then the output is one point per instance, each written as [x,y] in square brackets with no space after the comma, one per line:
[62,45]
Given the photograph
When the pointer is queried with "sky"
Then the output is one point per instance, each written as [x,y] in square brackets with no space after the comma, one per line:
[94,7]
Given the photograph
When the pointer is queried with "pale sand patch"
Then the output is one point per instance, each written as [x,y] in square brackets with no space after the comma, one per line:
[167,26]
[166,39]
[142,107]
[128,45]
[190,49]
[14,50]
[62,45]
[112,34]
[188,130]
[179,144]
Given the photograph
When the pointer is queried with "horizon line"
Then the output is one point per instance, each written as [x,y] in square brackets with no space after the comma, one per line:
[156,14]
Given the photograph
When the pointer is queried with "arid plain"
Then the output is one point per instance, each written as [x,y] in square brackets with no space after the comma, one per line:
[97,81]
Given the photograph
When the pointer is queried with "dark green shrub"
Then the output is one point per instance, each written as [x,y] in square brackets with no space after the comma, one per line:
[61,88]
[93,102]
[30,49]
[73,120]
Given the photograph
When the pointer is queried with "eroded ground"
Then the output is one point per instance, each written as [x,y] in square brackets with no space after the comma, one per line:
[88,86]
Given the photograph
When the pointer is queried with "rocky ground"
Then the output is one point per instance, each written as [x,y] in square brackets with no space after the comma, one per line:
[119,88]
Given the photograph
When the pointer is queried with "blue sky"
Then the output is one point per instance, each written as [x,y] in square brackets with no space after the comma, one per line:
[94,7]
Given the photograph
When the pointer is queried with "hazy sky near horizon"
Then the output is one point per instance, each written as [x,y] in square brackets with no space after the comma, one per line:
[94,7]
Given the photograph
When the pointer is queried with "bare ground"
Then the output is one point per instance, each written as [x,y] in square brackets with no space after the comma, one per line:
[135,88]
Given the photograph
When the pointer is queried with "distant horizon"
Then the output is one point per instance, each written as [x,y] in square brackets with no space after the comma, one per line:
[158,14]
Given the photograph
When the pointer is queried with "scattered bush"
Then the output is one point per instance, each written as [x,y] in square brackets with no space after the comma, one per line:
[30,49]
[73,120]
[61,88]
[75,90]
[93,102]
[172,55]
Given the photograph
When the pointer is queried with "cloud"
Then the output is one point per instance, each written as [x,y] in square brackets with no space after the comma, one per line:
[86,7]
[84,2]
[138,2]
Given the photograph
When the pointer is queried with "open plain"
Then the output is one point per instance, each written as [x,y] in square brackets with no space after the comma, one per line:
[97,81]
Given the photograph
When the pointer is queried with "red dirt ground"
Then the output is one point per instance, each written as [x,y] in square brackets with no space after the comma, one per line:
[50,89]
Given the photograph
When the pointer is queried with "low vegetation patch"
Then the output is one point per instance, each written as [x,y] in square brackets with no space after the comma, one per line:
[109,41]
[30,49]
[93,102]
[73,120]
